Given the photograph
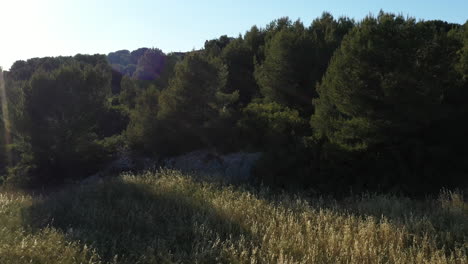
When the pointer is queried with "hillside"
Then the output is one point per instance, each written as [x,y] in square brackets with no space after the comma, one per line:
[337,105]
[168,217]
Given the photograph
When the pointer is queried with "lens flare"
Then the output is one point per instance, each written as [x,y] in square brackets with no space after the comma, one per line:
[5,116]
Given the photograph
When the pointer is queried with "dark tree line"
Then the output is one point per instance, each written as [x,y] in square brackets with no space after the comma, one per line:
[377,104]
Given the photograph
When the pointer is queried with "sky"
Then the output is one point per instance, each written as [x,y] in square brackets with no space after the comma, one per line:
[38,28]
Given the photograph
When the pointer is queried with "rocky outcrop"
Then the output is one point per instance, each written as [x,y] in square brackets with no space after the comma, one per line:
[234,167]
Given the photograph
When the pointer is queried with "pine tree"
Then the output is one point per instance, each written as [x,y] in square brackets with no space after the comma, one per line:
[193,103]
[390,90]
[285,75]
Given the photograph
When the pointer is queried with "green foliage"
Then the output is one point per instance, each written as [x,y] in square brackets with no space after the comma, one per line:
[142,68]
[61,108]
[382,83]
[279,132]
[271,126]
[193,102]
[189,114]
[3,125]
[124,61]
[464,53]
[168,70]
[255,40]
[150,65]
[129,92]
[19,175]
[386,99]
[143,132]
[113,120]
[285,75]
[392,88]
[327,34]
[120,57]
[296,59]
[214,47]
[239,59]
[94,60]
[60,115]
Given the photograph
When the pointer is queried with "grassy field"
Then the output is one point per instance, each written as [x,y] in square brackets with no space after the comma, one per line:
[167,217]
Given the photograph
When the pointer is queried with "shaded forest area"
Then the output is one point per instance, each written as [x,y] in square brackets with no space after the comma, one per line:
[340,105]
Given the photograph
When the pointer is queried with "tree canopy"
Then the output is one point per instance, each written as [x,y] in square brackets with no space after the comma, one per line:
[376,104]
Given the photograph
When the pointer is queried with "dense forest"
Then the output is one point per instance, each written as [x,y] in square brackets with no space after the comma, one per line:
[378,104]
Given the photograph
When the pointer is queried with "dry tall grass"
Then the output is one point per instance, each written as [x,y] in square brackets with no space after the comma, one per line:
[171,218]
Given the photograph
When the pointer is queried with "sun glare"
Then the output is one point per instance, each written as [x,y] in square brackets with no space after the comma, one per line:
[5,116]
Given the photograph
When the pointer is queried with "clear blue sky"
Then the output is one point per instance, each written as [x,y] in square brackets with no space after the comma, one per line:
[38,28]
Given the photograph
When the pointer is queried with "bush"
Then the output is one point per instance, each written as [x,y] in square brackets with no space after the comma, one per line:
[270,126]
